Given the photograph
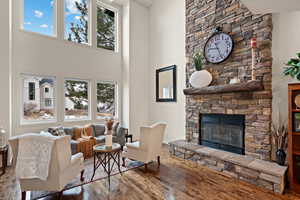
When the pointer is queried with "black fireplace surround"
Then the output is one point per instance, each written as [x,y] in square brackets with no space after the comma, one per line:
[224,132]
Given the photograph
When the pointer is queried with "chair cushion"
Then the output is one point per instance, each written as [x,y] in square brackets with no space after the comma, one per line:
[134,145]
[115,128]
[99,129]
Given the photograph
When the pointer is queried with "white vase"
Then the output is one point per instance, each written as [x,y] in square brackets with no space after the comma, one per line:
[200,79]
[108,140]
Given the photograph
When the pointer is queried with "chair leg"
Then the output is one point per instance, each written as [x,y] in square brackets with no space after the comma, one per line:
[123,161]
[146,167]
[60,195]
[158,161]
[81,176]
[24,195]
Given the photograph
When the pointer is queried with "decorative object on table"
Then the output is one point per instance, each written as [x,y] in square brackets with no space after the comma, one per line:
[293,68]
[297,101]
[280,133]
[201,77]
[166,84]
[3,138]
[103,157]
[253,50]
[218,47]
[4,154]
[109,132]
[234,80]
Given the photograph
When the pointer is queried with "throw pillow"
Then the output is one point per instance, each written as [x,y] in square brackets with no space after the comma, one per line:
[115,127]
[87,131]
[57,131]
[77,133]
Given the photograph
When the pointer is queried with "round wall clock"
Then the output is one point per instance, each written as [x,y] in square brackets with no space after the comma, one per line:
[218,48]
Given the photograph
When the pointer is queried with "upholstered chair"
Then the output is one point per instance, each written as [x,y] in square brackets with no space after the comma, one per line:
[62,170]
[149,148]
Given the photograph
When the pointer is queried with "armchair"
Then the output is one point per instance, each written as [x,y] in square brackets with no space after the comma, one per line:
[63,167]
[149,147]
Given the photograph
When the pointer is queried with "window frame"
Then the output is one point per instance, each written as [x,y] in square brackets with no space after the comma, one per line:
[55,20]
[24,122]
[116,96]
[90,14]
[89,117]
[117,28]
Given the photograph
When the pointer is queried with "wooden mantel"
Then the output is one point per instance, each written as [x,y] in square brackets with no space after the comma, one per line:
[254,85]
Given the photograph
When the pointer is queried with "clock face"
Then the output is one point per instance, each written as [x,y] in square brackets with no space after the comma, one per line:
[218,48]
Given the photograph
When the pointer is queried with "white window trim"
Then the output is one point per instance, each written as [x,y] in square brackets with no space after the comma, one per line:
[89,117]
[55,11]
[117,27]
[43,121]
[90,14]
[116,99]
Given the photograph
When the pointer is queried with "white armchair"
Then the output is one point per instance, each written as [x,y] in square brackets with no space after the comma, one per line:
[62,169]
[149,147]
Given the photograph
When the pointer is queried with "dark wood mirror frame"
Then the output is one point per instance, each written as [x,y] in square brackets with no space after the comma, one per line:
[158,71]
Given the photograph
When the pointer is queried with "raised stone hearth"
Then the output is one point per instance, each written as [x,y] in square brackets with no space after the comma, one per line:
[265,174]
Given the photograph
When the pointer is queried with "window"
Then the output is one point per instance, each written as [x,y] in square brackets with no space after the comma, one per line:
[106,99]
[76,100]
[39,16]
[46,90]
[35,107]
[106,28]
[77,21]
[31,91]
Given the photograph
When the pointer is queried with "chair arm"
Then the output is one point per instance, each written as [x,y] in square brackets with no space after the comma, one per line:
[134,145]
[77,158]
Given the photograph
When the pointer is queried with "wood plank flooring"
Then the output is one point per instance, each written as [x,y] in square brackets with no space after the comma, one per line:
[176,179]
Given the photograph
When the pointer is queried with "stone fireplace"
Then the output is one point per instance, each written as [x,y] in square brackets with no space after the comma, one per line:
[202,17]
[224,132]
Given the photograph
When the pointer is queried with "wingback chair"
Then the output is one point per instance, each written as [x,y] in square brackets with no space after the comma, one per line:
[149,147]
[63,167]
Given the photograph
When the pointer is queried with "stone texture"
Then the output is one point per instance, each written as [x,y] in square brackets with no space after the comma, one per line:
[257,172]
[202,16]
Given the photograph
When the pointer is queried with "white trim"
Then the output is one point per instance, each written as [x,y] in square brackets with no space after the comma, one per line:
[89,117]
[24,122]
[116,98]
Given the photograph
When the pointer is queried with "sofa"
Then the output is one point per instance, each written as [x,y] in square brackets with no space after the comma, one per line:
[98,134]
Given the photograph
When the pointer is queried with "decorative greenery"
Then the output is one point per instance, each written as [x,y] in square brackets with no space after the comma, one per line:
[198,61]
[293,68]
[280,133]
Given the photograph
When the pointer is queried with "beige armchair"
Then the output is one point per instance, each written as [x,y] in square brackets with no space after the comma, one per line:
[63,167]
[149,147]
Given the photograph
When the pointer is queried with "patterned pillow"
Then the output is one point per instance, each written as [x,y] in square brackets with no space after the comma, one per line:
[57,131]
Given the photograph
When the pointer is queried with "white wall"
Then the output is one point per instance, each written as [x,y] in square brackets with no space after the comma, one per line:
[41,55]
[286,43]
[167,47]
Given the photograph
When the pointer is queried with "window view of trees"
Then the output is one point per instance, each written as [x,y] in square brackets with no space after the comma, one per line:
[76,100]
[76,20]
[106,102]
[105,28]
[38,104]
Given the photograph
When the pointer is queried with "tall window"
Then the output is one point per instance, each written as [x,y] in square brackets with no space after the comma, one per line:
[77,21]
[35,107]
[39,16]
[106,99]
[76,100]
[106,28]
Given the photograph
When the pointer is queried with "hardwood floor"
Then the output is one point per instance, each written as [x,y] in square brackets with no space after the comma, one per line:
[175,179]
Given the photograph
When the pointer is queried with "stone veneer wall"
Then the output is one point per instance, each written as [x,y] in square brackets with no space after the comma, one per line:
[202,16]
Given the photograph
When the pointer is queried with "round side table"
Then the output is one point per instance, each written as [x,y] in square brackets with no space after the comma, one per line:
[4,154]
[107,157]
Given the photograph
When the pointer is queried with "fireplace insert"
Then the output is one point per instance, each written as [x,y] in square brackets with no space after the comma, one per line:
[224,132]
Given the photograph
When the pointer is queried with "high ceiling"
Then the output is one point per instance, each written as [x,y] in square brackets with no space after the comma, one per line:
[272,6]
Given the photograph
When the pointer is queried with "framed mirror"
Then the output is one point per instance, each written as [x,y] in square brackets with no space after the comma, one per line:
[166,84]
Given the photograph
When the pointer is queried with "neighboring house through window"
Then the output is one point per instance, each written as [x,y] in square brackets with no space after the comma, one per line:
[37,103]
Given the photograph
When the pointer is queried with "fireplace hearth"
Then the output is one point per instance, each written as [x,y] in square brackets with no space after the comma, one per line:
[224,132]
